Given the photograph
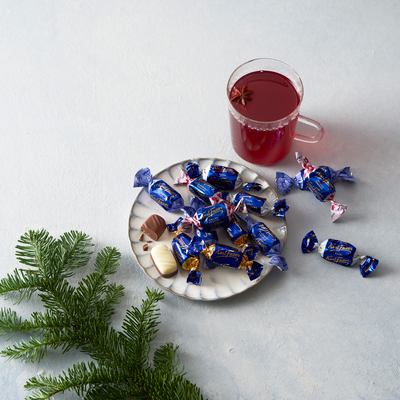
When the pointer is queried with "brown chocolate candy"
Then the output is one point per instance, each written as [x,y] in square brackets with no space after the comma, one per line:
[154,226]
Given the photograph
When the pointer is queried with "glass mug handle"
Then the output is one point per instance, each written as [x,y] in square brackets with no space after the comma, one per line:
[314,124]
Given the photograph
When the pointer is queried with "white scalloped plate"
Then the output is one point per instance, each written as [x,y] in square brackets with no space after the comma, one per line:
[218,283]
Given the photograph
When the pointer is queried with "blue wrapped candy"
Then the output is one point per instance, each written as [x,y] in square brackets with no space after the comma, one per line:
[187,251]
[237,234]
[339,252]
[260,205]
[220,177]
[167,197]
[320,181]
[210,218]
[266,241]
[227,256]
[195,183]
[207,237]
[227,178]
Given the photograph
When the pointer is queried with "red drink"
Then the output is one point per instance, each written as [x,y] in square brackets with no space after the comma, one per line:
[274,98]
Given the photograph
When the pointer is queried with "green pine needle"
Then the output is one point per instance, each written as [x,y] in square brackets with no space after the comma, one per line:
[79,317]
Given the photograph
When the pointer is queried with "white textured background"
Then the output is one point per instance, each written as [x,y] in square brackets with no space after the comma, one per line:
[91,91]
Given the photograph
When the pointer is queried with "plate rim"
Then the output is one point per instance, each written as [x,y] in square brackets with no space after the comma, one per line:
[197,160]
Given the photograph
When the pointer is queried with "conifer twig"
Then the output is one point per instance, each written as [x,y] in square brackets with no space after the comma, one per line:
[79,317]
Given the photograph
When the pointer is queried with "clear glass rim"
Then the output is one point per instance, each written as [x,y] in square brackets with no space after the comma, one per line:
[282,121]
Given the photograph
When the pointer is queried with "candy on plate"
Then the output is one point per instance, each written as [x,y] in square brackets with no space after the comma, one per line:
[164,261]
[167,197]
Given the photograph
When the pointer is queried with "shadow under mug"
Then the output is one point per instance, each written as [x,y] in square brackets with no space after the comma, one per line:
[262,141]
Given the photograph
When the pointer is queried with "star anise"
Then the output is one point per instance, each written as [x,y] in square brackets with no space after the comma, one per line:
[241,96]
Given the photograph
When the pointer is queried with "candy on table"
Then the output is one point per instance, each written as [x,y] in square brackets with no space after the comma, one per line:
[164,261]
[318,180]
[167,197]
[339,252]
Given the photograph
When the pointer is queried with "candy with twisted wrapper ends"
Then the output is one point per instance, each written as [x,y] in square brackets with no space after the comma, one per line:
[318,180]
[237,234]
[220,176]
[240,238]
[210,218]
[195,183]
[260,205]
[227,256]
[167,197]
[186,252]
[266,241]
[207,237]
[339,252]
[227,178]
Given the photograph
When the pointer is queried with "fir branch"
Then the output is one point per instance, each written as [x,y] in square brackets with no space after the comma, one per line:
[33,349]
[112,295]
[23,282]
[58,294]
[73,247]
[49,320]
[139,327]
[80,378]
[9,322]
[166,358]
[80,318]
[91,289]
[101,341]
[34,249]
[107,261]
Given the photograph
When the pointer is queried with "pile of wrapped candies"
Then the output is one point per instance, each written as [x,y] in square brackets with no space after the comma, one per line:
[214,207]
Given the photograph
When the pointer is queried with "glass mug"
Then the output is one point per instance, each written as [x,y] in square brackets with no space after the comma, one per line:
[264,104]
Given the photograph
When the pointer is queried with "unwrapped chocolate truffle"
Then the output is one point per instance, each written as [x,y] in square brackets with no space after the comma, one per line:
[164,261]
[154,226]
